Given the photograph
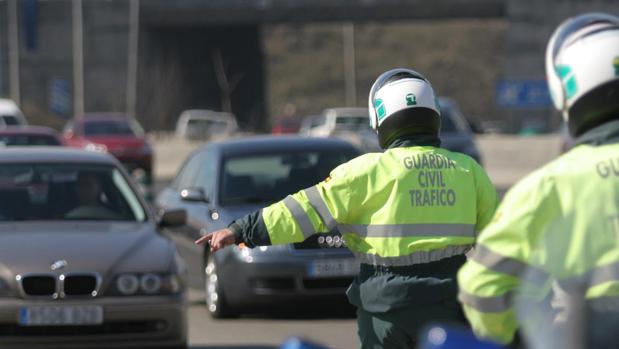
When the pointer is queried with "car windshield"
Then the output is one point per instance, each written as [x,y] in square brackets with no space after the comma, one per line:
[206,126]
[270,177]
[111,128]
[10,120]
[350,122]
[66,192]
[21,140]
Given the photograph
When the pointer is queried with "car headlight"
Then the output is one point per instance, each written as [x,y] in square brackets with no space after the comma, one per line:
[128,284]
[148,284]
[96,147]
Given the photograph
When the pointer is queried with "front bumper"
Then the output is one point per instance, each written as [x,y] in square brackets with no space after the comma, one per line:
[128,322]
[273,279]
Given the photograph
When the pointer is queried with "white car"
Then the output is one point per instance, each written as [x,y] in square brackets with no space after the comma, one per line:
[10,114]
[350,124]
[333,120]
[202,124]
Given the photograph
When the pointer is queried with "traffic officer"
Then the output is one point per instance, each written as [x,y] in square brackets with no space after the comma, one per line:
[409,215]
[555,235]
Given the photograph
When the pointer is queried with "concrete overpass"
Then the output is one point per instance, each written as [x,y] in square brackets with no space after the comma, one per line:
[226,12]
[181,43]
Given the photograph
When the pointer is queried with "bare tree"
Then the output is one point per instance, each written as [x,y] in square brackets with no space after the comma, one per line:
[227,82]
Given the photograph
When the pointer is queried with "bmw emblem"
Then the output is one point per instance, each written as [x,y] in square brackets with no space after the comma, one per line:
[59,264]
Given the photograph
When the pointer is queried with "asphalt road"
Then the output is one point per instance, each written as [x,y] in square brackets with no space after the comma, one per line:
[330,325]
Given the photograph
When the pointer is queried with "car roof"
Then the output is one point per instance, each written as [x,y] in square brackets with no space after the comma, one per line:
[54,154]
[261,144]
[7,105]
[28,130]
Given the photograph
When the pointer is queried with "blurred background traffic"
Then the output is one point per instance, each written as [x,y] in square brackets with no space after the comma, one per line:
[157,83]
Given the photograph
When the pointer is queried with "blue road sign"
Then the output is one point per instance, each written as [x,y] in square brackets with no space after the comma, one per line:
[523,94]
[60,97]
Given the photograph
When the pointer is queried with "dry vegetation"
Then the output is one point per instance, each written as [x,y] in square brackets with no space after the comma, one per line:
[462,58]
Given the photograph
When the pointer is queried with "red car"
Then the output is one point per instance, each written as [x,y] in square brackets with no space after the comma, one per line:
[116,134]
[29,135]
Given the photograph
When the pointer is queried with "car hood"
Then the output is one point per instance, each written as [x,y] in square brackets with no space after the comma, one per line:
[105,248]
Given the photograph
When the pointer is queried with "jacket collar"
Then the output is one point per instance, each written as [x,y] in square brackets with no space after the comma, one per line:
[415,140]
[606,133]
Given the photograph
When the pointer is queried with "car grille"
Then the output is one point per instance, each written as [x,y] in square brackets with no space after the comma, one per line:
[116,327]
[332,240]
[80,285]
[59,285]
[39,285]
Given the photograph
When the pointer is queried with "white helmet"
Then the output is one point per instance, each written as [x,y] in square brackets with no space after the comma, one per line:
[582,68]
[402,101]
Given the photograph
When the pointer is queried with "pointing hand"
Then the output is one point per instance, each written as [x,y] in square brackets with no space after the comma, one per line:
[218,239]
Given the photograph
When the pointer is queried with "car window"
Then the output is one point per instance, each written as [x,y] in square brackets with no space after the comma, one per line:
[351,122]
[270,177]
[66,192]
[207,170]
[24,140]
[10,120]
[111,128]
[205,127]
[187,175]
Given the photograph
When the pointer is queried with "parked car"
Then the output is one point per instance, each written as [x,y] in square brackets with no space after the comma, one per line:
[10,114]
[352,125]
[202,124]
[116,134]
[81,261]
[456,135]
[29,135]
[223,181]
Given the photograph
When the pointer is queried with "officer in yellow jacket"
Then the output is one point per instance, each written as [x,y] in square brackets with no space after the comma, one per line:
[409,215]
[556,233]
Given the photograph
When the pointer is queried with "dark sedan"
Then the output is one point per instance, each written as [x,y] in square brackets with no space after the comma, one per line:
[225,180]
[81,262]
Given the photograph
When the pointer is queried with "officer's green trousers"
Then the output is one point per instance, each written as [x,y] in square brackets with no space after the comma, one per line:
[400,329]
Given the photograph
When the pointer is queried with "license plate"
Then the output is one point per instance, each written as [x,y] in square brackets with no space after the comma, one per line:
[61,315]
[333,267]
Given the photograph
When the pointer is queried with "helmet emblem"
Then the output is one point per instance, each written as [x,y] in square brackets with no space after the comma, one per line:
[411,99]
[569,80]
[616,65]
[59,264]
[380,108]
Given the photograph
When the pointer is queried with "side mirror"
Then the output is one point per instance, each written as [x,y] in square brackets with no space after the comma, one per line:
[172,217]
[193,194]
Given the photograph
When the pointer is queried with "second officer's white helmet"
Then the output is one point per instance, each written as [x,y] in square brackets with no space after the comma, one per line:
[402,101]
[582,69]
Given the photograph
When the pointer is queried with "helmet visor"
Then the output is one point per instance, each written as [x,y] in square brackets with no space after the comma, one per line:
[575,24]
